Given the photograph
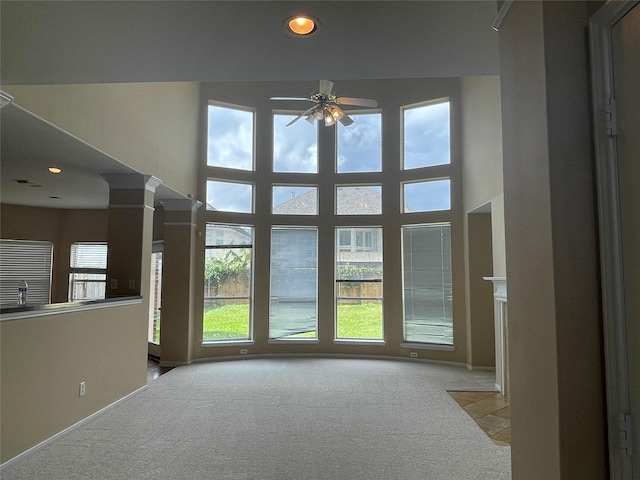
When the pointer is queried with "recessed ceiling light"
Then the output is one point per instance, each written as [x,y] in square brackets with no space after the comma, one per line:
[55,169]
[301,25]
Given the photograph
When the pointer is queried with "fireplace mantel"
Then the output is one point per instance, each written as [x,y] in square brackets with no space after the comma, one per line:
[502,347]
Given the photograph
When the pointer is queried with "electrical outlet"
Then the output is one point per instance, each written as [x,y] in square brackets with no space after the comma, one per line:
[132,284]
[243,351]
[83,388]
[413,354]
[114,283]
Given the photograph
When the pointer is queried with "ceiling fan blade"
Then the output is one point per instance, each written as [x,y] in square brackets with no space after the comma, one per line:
[290,98]
[303,114]
[326,86]
[359,102]
[346,120]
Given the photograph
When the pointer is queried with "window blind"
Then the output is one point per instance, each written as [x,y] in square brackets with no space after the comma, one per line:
[89,255]
[29,261]
[88,277]
[294,282]
[428,313]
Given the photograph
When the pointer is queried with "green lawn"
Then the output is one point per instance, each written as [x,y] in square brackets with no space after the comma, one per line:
[362,321]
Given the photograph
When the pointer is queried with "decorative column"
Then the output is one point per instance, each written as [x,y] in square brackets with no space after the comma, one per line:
[130,234]
[502,346]
[177,322]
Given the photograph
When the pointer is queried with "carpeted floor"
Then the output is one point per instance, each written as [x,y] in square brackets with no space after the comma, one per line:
[283,419]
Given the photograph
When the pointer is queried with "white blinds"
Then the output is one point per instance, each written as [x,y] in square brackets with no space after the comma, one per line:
[88,277]
[294,282]
[427,282]
[29,261]
[89,255]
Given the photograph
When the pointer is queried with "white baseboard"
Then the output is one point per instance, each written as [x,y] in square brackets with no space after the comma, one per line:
[326,355]
[68,430]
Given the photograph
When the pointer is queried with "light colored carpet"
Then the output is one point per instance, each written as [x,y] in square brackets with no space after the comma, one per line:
[283,419]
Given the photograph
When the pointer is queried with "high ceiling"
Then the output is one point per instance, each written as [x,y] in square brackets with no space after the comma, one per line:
[166,41]
[74,42]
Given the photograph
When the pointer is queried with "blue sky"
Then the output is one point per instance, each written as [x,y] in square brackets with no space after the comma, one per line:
[426,143]
[426,135]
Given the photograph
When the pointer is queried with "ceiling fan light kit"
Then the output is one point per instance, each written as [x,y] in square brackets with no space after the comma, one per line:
[327,106]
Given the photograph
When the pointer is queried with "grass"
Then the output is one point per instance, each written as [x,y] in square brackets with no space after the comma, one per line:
[363,321]
[229,321]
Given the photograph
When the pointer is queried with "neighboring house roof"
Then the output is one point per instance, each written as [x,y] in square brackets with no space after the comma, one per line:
[305,204]
[350,201]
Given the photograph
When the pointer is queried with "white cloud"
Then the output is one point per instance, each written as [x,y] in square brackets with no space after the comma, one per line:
[295,148]
[426,135]
[229,196]
[230,138]
[360,144]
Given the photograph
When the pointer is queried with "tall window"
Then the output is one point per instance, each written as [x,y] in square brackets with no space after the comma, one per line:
[359,283]
[228,281]
[155,295]
[294,283]
[427,284]
[22,260]
[88,277]
[328,194]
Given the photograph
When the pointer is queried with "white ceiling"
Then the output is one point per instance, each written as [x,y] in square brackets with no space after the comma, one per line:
[54,42]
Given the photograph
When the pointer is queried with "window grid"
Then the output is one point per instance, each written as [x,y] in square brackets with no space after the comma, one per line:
[293,305]
[88,276]
[347,239]
[228,280]
[358,290]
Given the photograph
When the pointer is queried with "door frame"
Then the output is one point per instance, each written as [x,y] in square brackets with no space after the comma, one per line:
[612,282]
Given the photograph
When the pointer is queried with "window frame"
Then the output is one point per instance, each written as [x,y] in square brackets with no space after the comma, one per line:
[38,279]
[316,125]
[354,114]
[240,108]
[73,271]
[339,283]
[290,338]
[327,178]
[234,182]
[412,106]
[412,343]
[250,294]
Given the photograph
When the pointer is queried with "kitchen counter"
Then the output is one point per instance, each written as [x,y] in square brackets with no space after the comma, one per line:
[13,312]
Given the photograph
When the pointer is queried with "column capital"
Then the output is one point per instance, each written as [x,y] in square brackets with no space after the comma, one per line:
[181,204]
[131,181]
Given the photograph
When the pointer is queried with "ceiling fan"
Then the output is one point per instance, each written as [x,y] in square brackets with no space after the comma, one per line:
[327,106]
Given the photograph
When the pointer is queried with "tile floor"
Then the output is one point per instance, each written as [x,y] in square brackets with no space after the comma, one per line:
[490,410]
